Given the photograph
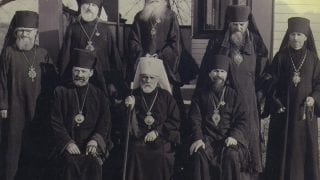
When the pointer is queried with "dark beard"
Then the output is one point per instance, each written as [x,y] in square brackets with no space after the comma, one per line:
[237,39]
[217,84]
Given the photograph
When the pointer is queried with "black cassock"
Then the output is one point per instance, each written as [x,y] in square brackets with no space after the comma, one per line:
[245,79]
[293,141]
[109,64]
[153,160]
[216,156]
[28,103]
[165,43]
[96,127]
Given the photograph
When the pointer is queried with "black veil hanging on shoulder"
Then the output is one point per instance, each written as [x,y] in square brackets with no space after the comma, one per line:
[309,43]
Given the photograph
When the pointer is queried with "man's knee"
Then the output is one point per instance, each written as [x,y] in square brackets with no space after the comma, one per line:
[230,156]
[198,156]
[93,162]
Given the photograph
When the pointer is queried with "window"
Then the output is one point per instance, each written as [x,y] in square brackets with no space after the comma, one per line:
[209,16]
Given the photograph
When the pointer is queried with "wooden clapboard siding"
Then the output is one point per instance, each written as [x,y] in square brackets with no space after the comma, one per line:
[283,9]
[198,49]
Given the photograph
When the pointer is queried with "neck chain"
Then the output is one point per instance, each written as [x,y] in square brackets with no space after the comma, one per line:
[296,74]
[149,120]
[216,112]
[153,31]
[90,46]
[79,118]
[31,69]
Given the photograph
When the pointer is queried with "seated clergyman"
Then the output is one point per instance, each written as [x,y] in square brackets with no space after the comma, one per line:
[81,123]
[218,122]
[154,124]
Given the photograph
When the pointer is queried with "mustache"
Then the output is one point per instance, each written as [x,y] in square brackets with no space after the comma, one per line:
[217,78]
[79,79]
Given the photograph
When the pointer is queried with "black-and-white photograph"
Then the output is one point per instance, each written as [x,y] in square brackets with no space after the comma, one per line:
[159,90]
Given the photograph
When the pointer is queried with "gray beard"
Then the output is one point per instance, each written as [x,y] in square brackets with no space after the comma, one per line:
[152,10]
[237,39]
[25,44]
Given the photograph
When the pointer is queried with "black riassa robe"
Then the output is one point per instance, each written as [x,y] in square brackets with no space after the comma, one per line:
[28,103]
[293,142]
[97,126]
[166,43]
[109,63]
[153,160]
[232,124]
[244,79]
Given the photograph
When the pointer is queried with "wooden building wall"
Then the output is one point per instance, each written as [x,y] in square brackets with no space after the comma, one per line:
[283,9]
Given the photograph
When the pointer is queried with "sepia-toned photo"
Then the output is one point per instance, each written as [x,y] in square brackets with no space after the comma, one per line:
[159,90]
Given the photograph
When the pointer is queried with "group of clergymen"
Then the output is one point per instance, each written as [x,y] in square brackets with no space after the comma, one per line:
[62,112]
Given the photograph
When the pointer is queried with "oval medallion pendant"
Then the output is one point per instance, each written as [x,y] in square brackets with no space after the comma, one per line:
[79,118]
[149,120]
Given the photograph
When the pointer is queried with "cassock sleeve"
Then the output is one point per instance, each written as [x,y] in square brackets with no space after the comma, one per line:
[316,82]
[64,56]
[239,116]
[103,126]
[4,68]
[275,103]
[60,133]
[195,118]
[171,51]
[135,47]
[172,124]
[51,77]
[115,60]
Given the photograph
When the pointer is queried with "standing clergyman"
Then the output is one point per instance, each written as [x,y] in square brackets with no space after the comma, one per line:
[293,132]
[243,43]
[88,32]
[27,78]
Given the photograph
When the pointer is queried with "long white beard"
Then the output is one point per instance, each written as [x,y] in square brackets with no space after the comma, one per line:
[25,44]
[154,9]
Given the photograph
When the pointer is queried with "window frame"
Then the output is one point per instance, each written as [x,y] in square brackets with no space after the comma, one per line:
[199,27]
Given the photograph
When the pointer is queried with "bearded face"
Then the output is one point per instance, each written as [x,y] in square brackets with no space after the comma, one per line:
[218,78]
[148,83]
[154,8]
[238,32]
[25,38]
[89,12]
[81,76]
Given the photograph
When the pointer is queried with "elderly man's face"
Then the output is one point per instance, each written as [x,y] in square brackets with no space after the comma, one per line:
[218,78]
[238,26]
[89,11]
[148,83]
[81,76]
[25,38]
[237,36]
[296,40]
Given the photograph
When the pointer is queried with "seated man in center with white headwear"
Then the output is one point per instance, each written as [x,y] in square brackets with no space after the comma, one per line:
[154,124]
